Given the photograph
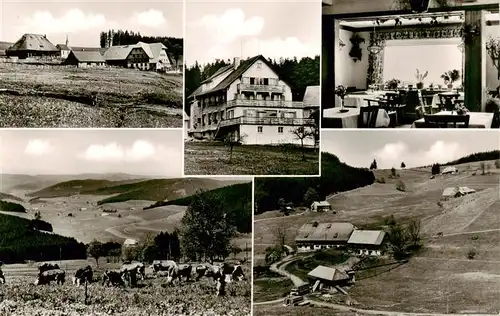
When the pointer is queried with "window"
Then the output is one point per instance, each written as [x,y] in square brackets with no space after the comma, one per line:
[266,82]
[252,80]
[259,129]
[259,65]
[280,129]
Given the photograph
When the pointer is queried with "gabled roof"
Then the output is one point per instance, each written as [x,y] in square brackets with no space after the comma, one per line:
[33,42]
[449,169]
[460,190]
[154,49]
[87,49]
[86,57]
[311,96]
[328,274]
[325,232]
[367,237]
[322,203]
[218,73]
[62,47]
[118,52]
[226,82]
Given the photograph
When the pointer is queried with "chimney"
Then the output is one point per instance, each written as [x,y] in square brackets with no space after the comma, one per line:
[236,62]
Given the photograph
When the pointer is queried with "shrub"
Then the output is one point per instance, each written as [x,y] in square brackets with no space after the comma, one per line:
[471,254]
[497,163]
[440,204]
[380,180]
[400,186]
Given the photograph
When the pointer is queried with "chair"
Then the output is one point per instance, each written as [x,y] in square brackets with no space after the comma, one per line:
[444,121]
[446,101]
[496,120]
[367,116]
[384,103]
[413,101]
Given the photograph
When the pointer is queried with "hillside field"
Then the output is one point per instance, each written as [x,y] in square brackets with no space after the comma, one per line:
[60,96]
[440,277]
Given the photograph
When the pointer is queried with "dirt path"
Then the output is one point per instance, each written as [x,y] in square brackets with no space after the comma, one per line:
[469,233]
[277,217]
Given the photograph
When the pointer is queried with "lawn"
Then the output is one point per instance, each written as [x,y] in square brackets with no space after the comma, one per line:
[279,310]
[210,158]
[60,96]
[271,286]
[327,258]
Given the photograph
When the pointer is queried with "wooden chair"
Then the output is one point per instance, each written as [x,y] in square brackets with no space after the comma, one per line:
[447,101]
[413,101]
[444,121]
[367,116]
[384,103]
[496,119]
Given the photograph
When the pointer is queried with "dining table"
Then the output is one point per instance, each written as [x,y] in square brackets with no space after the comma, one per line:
[355,100]
[436,101]
[477,119]
[335,118]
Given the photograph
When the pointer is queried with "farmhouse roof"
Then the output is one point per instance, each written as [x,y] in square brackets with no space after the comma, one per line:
[153,50]
[325,232]
[86,57]
[367,237]
[449,169]
[311,96]
[118,52]
[130,242]
[33,42]
[235,74]
[460,190]
[322,203]
[62,47]
[328,274]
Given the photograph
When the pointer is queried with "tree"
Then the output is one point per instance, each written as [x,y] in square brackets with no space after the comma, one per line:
[207,227]
[436,169]
[483,168]
[301,133]
[232,139]
[413,230]
[398,239]
[373,166]
[497,163]
[95,249]
[400,186]
[393,172]
[403,165]
[310,196]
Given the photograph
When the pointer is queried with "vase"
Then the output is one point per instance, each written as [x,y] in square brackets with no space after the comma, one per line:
[420,85]
[450,87]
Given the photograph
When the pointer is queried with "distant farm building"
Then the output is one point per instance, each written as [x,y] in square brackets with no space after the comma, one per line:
[449,170]
[367,242]
[32,45]
[316,236]
[322,206]
[456,192]
[64,50]
[85,59]
[322,277]
[141,56]
[130,242]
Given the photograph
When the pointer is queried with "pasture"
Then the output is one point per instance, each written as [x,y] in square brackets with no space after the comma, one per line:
[441,277]
[210,158]
[60,96]
[152,296]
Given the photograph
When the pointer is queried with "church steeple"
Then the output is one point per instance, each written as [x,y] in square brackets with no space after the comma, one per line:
[67,41]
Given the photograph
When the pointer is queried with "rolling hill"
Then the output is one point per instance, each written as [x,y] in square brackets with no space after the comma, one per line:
[6,196]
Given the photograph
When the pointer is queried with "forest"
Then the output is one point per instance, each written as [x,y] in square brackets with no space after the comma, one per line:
[21,240]
[336,176]
[488,155]
[298,73]
[119,37]
[11,207]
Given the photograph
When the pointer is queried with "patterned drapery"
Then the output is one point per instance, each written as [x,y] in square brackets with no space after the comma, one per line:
[376,61]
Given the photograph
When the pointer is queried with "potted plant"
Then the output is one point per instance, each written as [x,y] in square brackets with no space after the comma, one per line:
[392,84]
[493,49]
[450,77]
[420,79]
[341,91]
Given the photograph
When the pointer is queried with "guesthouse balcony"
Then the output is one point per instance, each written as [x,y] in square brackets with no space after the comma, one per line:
[245,120]
[265,103]
[271,88]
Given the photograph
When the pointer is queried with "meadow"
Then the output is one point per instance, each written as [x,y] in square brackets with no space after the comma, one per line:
[60,96]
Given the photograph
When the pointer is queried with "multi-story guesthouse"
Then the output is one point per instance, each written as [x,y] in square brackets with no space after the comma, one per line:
[249,100]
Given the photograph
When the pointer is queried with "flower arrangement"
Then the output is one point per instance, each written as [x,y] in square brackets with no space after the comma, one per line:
[420,78]
[461,109]
[393,84]
[341,91]
[493,50]
[450,77]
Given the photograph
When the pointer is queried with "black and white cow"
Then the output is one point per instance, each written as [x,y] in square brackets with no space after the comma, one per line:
[138,267]
[2,277]
[57,275]
[112,277]
[234,272]
[163,265]
[201,270]
[180,271]
[46,267]
[82,275]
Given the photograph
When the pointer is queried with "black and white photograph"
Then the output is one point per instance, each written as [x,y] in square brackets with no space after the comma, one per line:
[252,88]
[411,64]
[101,222]
[83,64]
[399,222]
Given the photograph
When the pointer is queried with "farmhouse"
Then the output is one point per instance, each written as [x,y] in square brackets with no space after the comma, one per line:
[32,45]
[85,59]
[316,236]
[322,277]
[367,242]
[322,206]
[141,56]
[130,242]
[456,192]
[64,50]
[249,100]
[449,170]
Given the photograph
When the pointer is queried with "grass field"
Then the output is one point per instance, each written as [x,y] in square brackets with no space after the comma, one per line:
[275,310]
[59,96]
[438,278]
[152,297]
[208,158]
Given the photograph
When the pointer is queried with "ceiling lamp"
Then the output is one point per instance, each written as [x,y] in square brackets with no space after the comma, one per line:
[374,47]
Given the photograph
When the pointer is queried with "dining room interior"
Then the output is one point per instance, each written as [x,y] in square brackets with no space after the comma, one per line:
[410,64]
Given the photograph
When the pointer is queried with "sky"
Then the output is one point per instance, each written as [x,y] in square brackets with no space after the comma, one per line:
[70,152]
[415,148]
[83,21]
[228,29]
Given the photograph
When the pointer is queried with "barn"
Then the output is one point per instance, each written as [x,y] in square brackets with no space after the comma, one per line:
[317,236]
[85,59]
[449,170]
[367,242]
[323,277]
[456,192]
[322,206]
[33,45]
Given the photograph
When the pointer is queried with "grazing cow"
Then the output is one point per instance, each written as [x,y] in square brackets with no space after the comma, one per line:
[163,265]
[46,267]
[138,267]
[201,271]
[82,275]
[179,271]
[48,276]
[217,271]
[112,277]
[130,277]
[2,277]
